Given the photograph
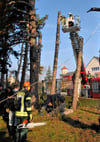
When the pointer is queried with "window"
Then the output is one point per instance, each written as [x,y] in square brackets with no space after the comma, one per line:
[95,68]
[95,87]
[96,75]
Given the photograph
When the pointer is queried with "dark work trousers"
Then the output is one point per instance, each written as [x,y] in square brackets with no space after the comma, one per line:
[20,134]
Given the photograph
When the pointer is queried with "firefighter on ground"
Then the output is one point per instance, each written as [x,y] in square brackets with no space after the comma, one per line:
[5,106]
[12,118]
[23,111]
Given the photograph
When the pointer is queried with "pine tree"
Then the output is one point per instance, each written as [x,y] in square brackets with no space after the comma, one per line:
[48,76]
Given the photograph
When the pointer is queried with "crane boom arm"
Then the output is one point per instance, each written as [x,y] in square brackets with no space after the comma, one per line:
[75,45]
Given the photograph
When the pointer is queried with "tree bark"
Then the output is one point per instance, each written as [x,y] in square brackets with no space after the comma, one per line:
[56,55]
[2,79]
[77,75]
[33,53]
[24,66]
[38,56]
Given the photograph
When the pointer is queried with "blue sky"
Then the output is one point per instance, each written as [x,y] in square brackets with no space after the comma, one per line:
[90,31]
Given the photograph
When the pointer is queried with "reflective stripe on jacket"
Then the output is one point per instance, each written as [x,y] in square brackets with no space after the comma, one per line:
[23,104]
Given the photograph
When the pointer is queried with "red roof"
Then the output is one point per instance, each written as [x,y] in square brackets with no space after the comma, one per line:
[64,68]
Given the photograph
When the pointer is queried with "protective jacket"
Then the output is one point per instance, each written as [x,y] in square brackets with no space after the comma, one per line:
[23,104]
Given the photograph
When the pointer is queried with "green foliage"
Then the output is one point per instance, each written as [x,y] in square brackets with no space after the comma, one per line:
[48,76]
[42,98]
[41,69]
[68,101]
[64,90]
[40,22]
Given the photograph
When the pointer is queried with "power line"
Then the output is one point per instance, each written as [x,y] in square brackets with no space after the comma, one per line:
[94,31]
[68,59]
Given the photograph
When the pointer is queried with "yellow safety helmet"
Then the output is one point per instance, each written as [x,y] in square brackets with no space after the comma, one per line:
[27,84]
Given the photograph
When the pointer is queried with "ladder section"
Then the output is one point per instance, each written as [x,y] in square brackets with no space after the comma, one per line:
[75,45]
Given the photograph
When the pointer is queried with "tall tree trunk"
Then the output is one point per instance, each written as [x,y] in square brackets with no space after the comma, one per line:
[56,55]
[38,59]
[2,79]
[33,53]
[7,79]
[77,75]
[24,66]
[39,53]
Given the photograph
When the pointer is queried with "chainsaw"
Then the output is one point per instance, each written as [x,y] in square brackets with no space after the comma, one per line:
[30,125]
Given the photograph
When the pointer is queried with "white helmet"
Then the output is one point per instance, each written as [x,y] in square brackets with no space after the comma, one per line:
[70,13]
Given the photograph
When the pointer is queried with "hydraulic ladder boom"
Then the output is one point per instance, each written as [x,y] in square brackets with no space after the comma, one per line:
[75,45]
[72,25]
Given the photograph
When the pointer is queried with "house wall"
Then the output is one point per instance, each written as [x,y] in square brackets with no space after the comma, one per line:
[64,71]
[66,84]
[67,77]
[93,67]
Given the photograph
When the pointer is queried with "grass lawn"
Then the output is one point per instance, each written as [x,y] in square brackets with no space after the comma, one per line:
[79,126]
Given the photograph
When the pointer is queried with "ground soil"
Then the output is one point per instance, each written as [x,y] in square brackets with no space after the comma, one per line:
[79,126]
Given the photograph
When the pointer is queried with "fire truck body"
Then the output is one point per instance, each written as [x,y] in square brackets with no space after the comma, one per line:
[95,88]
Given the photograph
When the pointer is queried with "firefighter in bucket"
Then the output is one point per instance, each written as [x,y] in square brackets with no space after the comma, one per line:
[23,112]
